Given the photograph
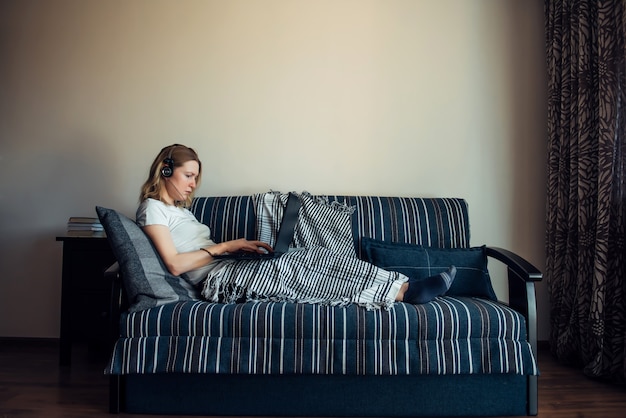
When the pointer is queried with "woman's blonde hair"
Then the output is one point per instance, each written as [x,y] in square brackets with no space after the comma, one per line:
[179,154]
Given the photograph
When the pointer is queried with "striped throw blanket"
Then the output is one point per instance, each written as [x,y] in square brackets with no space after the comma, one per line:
[324,269]
[312,275]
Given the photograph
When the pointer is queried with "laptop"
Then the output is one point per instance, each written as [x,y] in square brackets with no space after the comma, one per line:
[283,239]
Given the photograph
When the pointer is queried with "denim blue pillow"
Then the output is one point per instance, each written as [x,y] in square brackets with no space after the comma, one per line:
[472,277]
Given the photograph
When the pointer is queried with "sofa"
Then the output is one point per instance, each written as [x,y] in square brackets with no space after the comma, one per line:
[463,354]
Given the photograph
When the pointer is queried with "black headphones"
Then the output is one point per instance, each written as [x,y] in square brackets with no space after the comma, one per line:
[168,170]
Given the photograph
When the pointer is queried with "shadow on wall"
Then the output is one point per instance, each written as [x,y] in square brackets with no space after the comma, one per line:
[528,151]
[51,181]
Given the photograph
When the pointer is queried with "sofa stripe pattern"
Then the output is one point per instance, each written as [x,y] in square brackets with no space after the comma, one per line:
[433,222]
[286,338]
[229,217]
[437,222]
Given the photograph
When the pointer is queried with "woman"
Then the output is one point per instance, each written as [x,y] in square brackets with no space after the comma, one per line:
[186,247]
[184,244]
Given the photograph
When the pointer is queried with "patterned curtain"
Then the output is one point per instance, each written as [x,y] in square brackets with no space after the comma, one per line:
[586,207]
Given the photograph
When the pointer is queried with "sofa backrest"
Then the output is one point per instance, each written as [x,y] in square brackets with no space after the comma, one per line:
[432,222]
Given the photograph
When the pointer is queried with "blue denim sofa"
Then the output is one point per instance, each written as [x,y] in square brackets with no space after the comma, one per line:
[463,354]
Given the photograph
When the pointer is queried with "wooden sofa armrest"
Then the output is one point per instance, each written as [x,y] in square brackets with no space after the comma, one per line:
[522,277]
[522,268]
[113,276]
[112,269]
[117,305]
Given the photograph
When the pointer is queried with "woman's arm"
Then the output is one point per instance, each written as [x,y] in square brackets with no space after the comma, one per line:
[179,263]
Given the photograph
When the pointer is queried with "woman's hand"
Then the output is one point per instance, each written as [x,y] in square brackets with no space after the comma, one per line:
[241,244]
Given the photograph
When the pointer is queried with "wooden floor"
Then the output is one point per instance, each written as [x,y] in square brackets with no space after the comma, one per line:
[33,385]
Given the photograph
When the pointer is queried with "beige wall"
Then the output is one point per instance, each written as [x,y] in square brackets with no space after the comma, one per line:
[381,97]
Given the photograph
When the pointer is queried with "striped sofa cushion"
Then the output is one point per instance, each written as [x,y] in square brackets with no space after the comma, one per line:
[432,222]
[229,217]
[450,335]
[320,223]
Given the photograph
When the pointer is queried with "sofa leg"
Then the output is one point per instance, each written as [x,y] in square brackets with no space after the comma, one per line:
[114,394]
[533,407]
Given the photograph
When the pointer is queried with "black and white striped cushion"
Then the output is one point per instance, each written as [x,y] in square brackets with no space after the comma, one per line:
[320,222]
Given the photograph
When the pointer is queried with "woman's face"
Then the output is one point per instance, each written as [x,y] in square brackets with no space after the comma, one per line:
[182,183]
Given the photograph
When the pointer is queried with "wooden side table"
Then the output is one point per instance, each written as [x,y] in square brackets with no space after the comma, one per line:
[85,294]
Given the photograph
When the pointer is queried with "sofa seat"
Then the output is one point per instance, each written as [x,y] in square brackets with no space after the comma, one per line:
[480,337]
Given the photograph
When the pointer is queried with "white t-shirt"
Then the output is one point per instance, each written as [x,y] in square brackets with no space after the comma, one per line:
[187,232]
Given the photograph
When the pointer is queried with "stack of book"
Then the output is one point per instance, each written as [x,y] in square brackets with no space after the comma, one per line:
[82,226]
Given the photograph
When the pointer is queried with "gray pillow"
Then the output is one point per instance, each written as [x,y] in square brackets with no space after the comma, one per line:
[147,281]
